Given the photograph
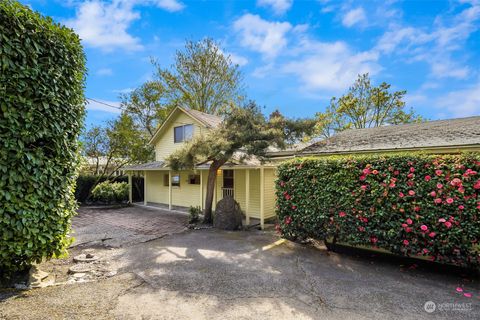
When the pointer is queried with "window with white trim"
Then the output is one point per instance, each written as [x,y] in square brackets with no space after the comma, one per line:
[183,133]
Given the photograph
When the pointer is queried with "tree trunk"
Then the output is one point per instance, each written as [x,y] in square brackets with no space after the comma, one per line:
[212,178]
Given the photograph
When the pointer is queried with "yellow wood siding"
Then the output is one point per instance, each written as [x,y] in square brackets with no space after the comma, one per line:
[156,191]
[239,188]
[269,201]
[254,203]
[187,194]
[165,145]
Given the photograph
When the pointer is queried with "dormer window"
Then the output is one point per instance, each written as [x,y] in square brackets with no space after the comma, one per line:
[183,133]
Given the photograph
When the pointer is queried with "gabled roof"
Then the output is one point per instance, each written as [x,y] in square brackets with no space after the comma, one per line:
[209,121]
[450,133]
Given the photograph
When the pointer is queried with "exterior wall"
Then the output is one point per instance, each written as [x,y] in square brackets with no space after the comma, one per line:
[269,197]
[165,145]
[156,191]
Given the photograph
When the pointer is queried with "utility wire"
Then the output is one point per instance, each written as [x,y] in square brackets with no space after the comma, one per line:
[105,104]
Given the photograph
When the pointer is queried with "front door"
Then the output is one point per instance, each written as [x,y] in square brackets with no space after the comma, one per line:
[227,189]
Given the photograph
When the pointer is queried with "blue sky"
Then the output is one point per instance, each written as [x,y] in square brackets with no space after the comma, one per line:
[295,55]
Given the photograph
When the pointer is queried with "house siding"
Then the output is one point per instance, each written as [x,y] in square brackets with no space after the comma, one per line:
[269,189]
[165,144]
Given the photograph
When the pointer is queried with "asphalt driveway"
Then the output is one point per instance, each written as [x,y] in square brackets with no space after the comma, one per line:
[212,274]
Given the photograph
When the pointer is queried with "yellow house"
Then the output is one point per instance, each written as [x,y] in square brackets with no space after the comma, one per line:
[250,183]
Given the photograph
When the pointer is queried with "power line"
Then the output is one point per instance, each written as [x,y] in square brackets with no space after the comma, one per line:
[104,103]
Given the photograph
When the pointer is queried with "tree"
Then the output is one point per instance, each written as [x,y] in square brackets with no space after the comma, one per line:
[364,106]
[118,143]
[244,133]
[202,78]
[147,106]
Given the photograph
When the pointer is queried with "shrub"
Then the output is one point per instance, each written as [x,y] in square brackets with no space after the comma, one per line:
[110,192]
[409,204]
[41,114]
[194,214]
[86,183]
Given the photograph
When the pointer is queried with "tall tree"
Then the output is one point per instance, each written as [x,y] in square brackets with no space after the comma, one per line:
[244,133]
[147,106]
[202,78]
[365,106]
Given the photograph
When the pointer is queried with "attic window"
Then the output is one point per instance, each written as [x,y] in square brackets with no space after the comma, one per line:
[183,133]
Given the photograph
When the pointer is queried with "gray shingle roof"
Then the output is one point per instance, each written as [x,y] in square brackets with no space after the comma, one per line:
[209,120]
[440,133]
[146,166]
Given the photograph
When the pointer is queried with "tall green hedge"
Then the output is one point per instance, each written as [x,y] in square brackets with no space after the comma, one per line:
[42,76]
[409,204]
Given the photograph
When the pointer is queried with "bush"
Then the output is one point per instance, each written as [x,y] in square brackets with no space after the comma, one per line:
[86,183]
[409,204]
[110,192]
[194,214]
[41,114]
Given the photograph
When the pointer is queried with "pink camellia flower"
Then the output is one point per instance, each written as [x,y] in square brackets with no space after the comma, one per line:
[438,172]
[288,220]
[405,242]
[449,200]
[432,234]
[294,207]
[461,189]
[456,182]
[412,169]
[375,171]
[366,171]
[392,185]
[433,194]
[461,207]
[424,227]
[425,251]
[441,220]
[373,239]
[439,185]
[410,175]
[404,225]
[476,185]
[408,229]
[448,224]
[287,197]
[467,294]
[282,183]
[342,214]
[362,178]
[396,172]
[438,200]
[410,183]
[409,221]
[416,208]
[459,289]
[411,192]
[361,229]
[364,187]
[428,178]
[401,195]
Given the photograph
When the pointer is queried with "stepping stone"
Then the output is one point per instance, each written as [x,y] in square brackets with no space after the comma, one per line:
[85,257]
[80,268]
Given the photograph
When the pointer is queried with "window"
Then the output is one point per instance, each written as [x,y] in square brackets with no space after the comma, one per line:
[176,180]
[194,179]
[183,133]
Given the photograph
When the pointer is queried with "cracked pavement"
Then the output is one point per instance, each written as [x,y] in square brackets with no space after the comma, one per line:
[212,274]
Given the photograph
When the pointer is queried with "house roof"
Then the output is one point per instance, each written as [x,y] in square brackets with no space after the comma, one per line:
[460,132]
[205,119]
[146,166]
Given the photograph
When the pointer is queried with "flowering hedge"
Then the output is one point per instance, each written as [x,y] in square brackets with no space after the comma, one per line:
[409,204]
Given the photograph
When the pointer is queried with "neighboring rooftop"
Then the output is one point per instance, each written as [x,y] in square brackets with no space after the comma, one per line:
[426,135]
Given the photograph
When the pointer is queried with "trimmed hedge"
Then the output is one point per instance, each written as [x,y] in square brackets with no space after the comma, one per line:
[42,106]
[111,192]
[86,183]
[409,204]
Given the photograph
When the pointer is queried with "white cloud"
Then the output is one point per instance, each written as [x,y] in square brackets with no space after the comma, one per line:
[268,38]
[439,45]
[278,6]
[105,25]
[330,65]
[169,5]
[237,59]
[104,72]
[353,17]
[461,103]
[103,105]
